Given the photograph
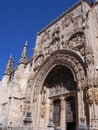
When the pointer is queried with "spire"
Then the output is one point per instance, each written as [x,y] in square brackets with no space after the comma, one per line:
[9,65]
[24,52]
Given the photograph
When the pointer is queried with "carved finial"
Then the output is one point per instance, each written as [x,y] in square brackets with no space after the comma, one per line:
[9,65]
[24,52]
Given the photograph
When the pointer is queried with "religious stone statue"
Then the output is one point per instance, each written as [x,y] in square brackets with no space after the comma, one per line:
[90,95]
[62,103]
[95,90]
[43,110]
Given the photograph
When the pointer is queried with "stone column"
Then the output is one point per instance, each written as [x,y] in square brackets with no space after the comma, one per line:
[62,120]
[51,108]
[80,103]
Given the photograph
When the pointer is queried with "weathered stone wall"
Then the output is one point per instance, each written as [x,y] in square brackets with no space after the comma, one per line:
[70,40]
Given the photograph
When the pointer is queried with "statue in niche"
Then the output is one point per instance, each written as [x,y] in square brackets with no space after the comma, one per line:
[51,106]
[43,110]
[44,94]
[95,90]
[62,103]
[35,96]
[89,59]
[43,102]
[55,39]
[90,95]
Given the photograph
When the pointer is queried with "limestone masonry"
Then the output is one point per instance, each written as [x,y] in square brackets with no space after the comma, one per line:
[60,81]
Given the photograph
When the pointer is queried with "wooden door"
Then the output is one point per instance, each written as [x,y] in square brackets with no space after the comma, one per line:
[56,113]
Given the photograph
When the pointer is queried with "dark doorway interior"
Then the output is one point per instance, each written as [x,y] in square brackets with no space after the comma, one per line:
[71,126]
[56,113]
[70,113]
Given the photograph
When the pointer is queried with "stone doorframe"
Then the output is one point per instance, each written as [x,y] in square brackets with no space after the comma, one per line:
[62,98]
[74,62]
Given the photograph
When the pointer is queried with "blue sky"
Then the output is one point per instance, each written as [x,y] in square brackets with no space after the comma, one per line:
[20,20]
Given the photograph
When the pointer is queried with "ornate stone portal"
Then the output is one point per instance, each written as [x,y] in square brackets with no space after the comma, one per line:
[60,81]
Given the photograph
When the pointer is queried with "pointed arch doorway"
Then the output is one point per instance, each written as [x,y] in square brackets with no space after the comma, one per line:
[62,92]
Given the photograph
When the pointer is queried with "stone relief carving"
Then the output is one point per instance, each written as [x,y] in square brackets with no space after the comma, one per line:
[89,94]
[35,95]
[55,39]
[43,102]
[28,96]
[89,58]
[51,106]
[76,26]
[46,36]
[62,103]
[77,43]
[95,90]
[62,59]
[67,20]
[43,110]
[63,45]
[38,61]
[92,94]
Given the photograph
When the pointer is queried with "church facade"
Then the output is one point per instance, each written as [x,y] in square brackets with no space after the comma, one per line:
[60,81]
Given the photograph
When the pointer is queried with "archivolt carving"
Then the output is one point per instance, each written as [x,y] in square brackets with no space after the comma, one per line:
[38,61]
[55,39]
[63,58]
[77,43]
